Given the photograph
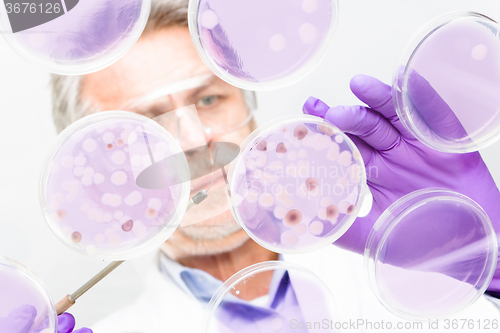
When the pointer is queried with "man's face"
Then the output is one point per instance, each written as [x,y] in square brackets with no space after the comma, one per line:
[163,59]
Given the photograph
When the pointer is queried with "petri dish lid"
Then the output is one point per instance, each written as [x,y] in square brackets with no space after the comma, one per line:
[297,184]
[73,37]
[259,44]
[114,185]
[446,85]
[292,296]
[24,296]
[431,254]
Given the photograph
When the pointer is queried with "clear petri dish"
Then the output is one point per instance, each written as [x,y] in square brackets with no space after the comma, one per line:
[446,85]
[24,302]
[431,254]
[297,185]
[259,44]
[72,37]
[114,185]
[271,297]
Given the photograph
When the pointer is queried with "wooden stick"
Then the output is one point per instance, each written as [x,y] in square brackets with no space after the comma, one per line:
[69,300]
[64,304]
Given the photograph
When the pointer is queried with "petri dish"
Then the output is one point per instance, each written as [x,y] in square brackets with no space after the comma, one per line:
[271,297]
[259,44]
[24,301]
[72,37]
[446,85]
[431,254]
[93,192]
[297,185]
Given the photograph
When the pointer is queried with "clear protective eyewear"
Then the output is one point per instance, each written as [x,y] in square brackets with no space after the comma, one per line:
[221,107]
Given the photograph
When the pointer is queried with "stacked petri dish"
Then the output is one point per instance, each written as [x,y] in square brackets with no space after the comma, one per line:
[297,185]
[434,252]
[25,306]
[262,45]
[72,37]
[114,185]
[446,85]
[272,296]
[431,254]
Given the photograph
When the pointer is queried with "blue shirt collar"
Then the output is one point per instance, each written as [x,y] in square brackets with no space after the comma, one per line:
[202,285]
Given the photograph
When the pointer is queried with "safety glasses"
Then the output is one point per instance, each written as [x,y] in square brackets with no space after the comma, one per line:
[221,107]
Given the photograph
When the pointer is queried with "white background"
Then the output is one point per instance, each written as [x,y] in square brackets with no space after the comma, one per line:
[370,36]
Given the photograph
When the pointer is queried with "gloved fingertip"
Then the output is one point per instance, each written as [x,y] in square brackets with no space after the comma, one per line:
[65,323]
[401,73]
[338,112]
[419,87]
[360,78]
[24,312]
[315,107]
[360,83]
[83,330]
[370,90]
[341,116]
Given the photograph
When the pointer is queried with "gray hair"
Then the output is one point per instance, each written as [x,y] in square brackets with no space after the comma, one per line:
[67,103]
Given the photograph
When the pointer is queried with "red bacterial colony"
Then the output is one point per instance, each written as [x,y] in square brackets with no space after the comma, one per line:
[262,145]
[292,218]
[127,226]
[325,129]
[332,212]
[76,237]
[311,183]
[300,132]
[61,214]
[151,213]
[280,148]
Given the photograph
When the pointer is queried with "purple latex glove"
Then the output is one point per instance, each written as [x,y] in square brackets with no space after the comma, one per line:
[21,320]
[66,324]
[403,163]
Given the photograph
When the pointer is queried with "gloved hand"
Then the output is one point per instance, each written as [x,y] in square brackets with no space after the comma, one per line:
[66,324]
[21,320]
[402,163]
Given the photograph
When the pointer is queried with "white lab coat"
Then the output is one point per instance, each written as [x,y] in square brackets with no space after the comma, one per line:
[164,307]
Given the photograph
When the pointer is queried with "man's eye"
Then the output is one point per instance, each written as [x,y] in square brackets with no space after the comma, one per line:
[207,101]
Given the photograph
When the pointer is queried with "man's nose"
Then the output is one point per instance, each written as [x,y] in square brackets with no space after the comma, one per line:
[183,123]
[191,134]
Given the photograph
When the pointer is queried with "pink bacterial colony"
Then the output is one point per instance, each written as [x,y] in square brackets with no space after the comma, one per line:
[91,193]
[296,185]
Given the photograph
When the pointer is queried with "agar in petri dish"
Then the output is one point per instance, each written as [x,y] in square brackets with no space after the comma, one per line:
[72,37]
[446,86]
[269,297]
[23,296]
[259,44]
[431,254]
[93,192]
[297,185]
